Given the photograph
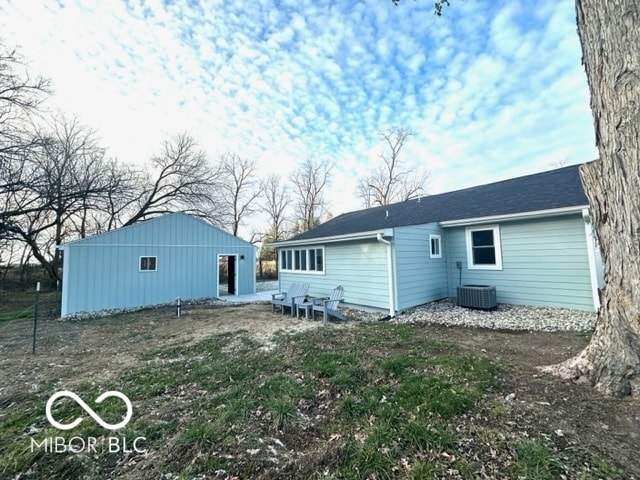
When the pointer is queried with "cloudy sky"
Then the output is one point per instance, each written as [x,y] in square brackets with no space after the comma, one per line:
[492,89]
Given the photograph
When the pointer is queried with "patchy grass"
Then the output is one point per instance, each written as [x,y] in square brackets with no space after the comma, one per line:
[535,461]
[376,401]
[21,305]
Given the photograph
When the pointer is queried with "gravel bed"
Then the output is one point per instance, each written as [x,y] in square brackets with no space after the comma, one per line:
[504,317]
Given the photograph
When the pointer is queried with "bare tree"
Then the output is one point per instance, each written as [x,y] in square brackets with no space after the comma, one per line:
[392,181]
[275,204]
[238,189]
[560,163]
[63,188]
[276,200]
[61,181]
[20,98]
[309,181]
[8,254]
[119,200]
[21,182]
[180,178]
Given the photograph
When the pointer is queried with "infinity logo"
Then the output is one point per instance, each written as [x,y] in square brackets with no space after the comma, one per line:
[87,408]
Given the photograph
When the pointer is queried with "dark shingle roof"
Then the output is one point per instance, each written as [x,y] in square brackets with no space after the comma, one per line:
[541,191]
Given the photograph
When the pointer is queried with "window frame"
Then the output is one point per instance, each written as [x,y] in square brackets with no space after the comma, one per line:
[148,257]
[292,260]
[438,239]
[497,246]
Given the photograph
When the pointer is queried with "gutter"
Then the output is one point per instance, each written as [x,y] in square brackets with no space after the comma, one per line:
[392,300]
[372,234]
[591,254]
[552,212]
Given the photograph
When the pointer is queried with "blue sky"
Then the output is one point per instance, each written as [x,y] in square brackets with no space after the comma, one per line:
[492,89]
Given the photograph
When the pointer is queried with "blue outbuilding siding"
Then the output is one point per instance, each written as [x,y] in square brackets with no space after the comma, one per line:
[103,272]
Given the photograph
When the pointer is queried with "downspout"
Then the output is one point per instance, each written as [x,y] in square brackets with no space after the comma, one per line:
[591,255]
[392,301]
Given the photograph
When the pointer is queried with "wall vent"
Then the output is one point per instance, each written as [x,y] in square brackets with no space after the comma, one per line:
[476,296]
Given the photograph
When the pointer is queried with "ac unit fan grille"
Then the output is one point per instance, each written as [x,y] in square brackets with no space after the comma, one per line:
[476,296]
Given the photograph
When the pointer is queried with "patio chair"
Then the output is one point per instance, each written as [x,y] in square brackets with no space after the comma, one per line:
[329,306]
[295,294]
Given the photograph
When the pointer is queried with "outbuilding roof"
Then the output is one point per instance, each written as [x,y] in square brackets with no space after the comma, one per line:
[554,189]
[175,222]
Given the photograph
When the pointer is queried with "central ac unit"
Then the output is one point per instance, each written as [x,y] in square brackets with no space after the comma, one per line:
[476,296]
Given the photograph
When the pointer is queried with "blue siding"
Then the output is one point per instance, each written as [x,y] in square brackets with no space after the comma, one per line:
[360,267]
[544,262]
[419,278]
[102,272]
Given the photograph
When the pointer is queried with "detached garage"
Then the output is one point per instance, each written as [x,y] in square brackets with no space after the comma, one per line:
[154,262]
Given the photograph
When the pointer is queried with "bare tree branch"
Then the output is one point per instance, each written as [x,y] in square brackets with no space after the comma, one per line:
[391,181]
[60,182]
[239,189]
[180,178]
[275,204]
[20,98]
[309,181]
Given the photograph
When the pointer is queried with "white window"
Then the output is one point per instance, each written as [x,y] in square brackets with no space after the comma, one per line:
[435,249]
[483,248]
[147,264]
[302,260]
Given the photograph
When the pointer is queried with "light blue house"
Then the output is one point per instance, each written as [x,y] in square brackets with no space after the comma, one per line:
[154,262]
[530,237]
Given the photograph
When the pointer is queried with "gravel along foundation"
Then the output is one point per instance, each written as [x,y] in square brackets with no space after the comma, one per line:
[505,317]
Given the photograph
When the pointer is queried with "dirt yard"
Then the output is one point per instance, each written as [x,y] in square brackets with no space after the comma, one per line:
[81,350]
[69,352]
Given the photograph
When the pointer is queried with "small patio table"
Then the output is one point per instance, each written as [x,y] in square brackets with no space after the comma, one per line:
[307,306]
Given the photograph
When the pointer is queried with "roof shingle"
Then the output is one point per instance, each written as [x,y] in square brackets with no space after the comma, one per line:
[541,191]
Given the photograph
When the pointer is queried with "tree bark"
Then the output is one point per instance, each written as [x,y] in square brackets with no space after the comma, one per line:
[610,36]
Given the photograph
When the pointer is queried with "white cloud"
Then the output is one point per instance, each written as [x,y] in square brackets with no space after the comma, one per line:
[492,90]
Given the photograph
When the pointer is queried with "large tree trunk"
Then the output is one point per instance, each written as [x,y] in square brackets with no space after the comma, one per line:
[610,36]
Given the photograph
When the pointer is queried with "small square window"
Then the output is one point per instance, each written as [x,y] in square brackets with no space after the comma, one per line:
[148,264]
[435,249]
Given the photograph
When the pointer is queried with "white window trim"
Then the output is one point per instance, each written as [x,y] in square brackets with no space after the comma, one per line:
[439,239]
[305,272]
[147,256]
[497,245]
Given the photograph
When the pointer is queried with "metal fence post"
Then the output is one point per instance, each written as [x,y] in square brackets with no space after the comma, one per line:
[35,318]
